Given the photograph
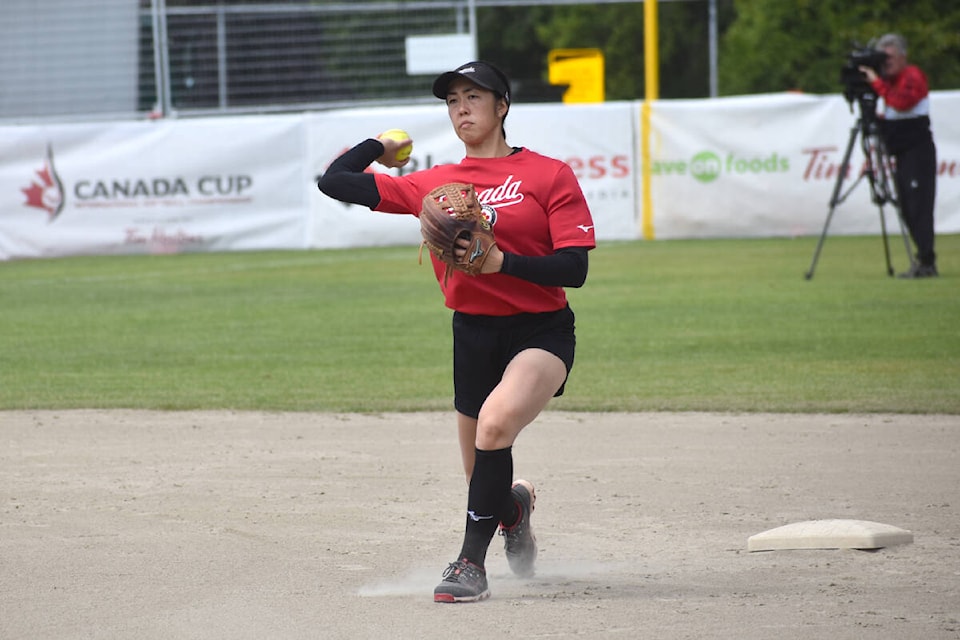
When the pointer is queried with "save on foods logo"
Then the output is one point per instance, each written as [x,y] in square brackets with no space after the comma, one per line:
[707,166]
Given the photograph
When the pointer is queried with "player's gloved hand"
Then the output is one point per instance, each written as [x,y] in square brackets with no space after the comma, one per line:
[492,264]
[456,230]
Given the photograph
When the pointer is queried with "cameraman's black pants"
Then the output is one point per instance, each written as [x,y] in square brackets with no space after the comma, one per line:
[916,178]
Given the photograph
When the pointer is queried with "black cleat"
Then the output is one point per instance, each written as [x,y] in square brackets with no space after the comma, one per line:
[920,271]
[519,543]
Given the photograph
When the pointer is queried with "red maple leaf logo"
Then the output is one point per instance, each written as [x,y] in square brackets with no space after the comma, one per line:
[45,192]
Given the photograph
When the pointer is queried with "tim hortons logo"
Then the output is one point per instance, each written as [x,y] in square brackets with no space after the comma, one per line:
[46,191]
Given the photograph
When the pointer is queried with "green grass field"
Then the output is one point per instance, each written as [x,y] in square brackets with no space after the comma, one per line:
[711,325]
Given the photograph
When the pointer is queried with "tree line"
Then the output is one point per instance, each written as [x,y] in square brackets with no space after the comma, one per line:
[764,46]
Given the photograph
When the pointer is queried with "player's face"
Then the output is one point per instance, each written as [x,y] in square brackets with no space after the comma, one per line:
[475,112]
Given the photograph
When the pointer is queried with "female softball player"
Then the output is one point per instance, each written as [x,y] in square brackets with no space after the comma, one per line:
[513,331]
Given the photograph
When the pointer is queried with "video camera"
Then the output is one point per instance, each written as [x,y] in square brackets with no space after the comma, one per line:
[855,85]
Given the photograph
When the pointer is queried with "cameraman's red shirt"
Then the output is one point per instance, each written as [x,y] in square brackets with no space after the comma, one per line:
[905,91]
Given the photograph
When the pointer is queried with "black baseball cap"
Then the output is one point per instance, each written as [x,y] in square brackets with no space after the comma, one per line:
[480,73]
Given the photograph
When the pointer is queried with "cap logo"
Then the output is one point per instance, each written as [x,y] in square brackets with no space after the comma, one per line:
[483,74]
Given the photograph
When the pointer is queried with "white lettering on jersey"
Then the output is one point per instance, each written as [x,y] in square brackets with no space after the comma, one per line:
[503,196]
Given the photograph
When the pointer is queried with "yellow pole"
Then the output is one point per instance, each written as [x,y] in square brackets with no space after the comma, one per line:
[652,85]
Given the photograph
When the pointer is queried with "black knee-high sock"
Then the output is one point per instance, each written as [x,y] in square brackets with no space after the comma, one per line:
[487,502]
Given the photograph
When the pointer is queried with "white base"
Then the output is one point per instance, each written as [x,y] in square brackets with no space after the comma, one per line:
[829,534]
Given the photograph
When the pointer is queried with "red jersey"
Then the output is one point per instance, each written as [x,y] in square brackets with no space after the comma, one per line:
[904,92]
[539,208]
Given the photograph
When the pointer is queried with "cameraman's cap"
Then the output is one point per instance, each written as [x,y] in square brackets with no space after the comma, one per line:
[480,73]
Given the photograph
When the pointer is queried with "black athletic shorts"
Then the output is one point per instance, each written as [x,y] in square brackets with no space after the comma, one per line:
[483,346]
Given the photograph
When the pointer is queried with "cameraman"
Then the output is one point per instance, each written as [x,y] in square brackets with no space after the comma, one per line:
[906,132]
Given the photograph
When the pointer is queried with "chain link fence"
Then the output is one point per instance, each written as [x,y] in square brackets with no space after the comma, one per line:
[63,59]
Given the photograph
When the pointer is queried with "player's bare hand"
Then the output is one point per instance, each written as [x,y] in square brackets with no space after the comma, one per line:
[390,149]
[492,264]
[870,74]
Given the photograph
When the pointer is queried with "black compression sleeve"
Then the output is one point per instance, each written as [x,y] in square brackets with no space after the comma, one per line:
[565,268]
[345,179]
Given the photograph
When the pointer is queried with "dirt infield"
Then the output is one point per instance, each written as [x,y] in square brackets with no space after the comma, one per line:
[128,524]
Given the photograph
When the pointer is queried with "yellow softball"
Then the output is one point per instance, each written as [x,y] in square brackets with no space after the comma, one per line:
[399,134]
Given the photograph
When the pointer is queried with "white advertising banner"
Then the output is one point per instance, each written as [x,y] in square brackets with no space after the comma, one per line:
[751,166]
[756,166]
[152,187]
[944,107]
[330,133]
[597,141]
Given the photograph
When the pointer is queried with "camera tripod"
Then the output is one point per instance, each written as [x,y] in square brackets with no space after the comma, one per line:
[878,171]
